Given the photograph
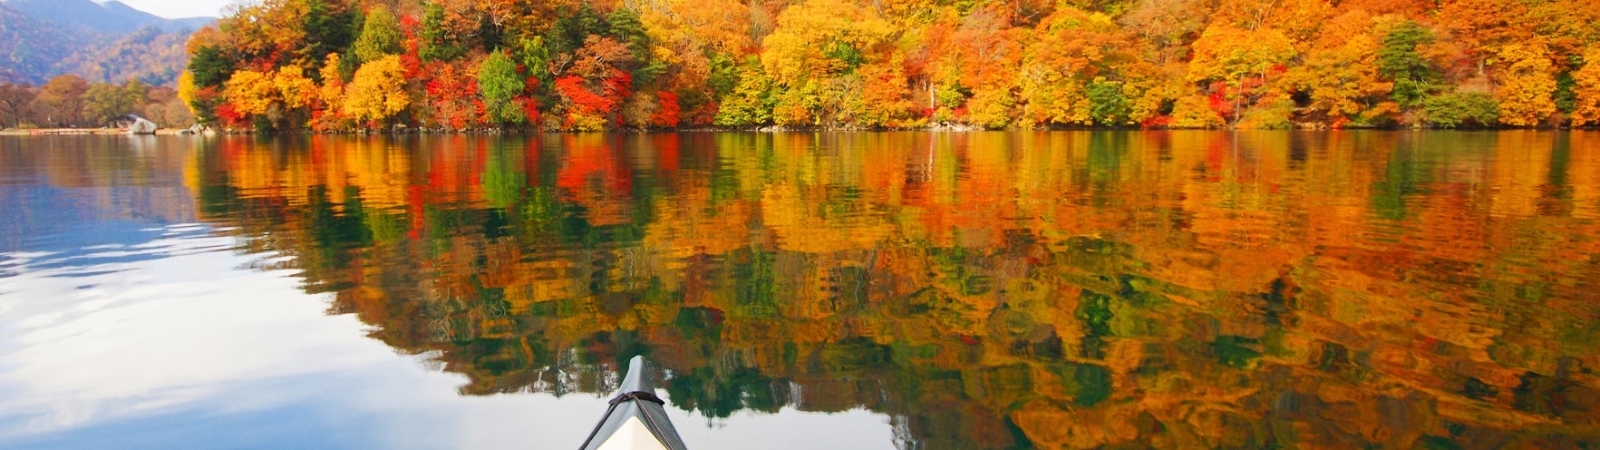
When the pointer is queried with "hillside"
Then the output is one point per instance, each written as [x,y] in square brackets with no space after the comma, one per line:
[112,17]
[32,49]
[148,55]
[40,39]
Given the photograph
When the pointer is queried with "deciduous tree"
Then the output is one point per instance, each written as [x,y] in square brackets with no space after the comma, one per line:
[104,102]
[376,93]
[1586,82]
[1526,85]
[61,100]
[15,100]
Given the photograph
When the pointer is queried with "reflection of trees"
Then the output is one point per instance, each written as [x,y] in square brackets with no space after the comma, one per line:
[986,290]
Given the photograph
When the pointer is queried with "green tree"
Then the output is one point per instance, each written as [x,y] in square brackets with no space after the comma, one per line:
[624,25]
[103,103]
[329,29]
[498,86]
[438,43]
[1399,62]
[533,55]
[380,36]
[210,67]
[750,102]
[1107,104]
[1461,109]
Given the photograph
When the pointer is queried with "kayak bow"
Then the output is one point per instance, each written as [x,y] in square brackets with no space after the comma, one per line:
[636,419]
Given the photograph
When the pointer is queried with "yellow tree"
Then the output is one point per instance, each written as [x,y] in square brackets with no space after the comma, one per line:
[1526,84]
[1075,50]
[815,42]
[276,96]
[250,92]
[1587,88]
[268,31]
[1340,72]
[985,53]
[1483,25]
[377,93]
[885,95]
[294,89]
[330,96]
[697,41]
[187,91]
[1242,60]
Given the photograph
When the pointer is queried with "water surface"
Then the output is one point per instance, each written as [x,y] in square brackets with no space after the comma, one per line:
[834,290]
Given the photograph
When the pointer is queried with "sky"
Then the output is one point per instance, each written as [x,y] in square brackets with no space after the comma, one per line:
[174,9]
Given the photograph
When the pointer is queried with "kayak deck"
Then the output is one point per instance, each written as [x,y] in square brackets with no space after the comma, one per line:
[636,419]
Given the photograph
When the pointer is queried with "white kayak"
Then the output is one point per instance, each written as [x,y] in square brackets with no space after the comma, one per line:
[636,419]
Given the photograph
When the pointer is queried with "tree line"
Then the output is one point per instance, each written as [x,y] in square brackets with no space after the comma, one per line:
[606,64]
[69,101]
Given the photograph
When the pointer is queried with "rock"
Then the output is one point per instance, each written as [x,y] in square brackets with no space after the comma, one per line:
[141,126]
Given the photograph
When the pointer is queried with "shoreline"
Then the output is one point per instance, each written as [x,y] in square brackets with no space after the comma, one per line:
[90,132]
[762,130]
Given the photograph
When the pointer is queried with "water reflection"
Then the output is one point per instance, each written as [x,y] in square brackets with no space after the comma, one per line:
[125,324]
[987,290]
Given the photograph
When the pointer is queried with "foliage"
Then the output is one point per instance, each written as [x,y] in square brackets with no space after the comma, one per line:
[280,98]
[208,67]
[849,63]
[1398,61]
[104,103]
[1473,109]
[1108,103]
[1194,111]
[1342,74]
[439,41]
[15,103]
[1230,54]
[1526,85]
[61,101]
[1273,116]
[1073,74]
[750,103]
[498,86]
[375,94]
[453,97]
[380,36]
[1586,86]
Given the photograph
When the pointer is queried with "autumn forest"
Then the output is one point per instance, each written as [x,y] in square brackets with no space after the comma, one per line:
[896,64]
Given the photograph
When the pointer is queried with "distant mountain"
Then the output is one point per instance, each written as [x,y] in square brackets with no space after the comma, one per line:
[149,55]
[32,50]
[40,39]
[112,17]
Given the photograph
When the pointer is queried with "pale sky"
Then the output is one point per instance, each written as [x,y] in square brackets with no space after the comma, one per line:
[175,9]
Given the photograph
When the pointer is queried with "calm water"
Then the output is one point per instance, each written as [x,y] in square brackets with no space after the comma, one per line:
[874,291]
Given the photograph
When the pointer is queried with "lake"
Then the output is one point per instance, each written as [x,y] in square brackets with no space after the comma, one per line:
[807,290]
